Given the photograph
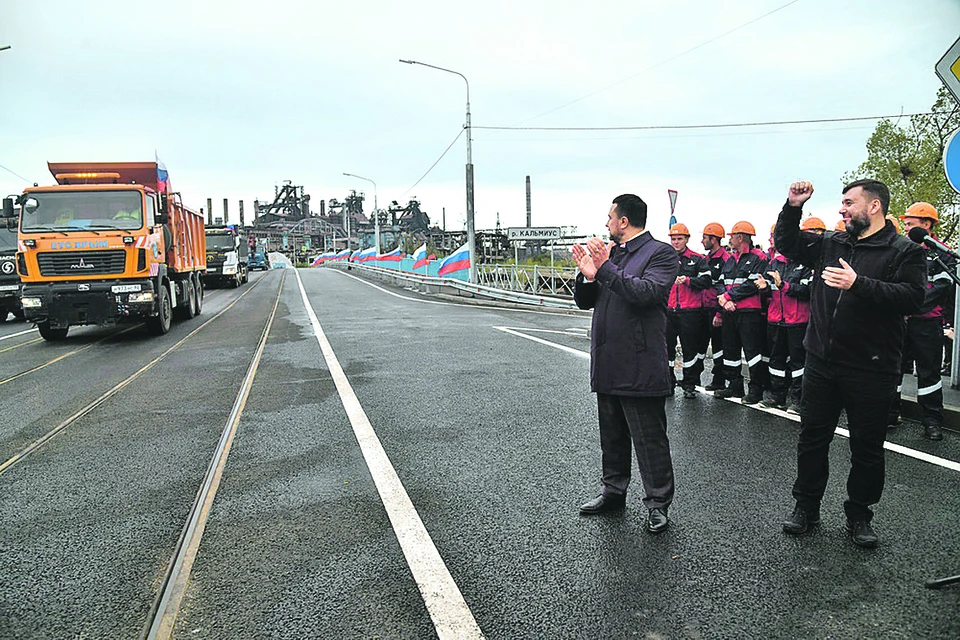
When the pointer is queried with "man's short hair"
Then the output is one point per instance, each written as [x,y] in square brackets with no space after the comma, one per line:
[633,208]
[875,189]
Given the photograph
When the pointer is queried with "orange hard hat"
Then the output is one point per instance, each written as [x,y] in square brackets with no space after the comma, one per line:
[896,223]
[679,229]
[922,210]
[841,226]
[714,229]
[744,227]
[813,224]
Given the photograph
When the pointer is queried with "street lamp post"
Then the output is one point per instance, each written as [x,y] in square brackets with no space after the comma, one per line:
[376,212]
[471,234]
[5,47]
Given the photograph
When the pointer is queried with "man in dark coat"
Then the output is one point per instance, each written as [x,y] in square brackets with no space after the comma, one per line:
[627,284]
[866,279]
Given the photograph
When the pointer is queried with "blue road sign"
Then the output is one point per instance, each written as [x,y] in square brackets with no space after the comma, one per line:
[951,160]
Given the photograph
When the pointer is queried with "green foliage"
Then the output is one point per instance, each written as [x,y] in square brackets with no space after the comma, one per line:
[908,158]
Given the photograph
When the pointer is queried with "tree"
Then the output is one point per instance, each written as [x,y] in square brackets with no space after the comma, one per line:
[909,159]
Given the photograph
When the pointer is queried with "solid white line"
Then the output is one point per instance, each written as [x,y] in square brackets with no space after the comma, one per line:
[14,335]
[449,304]
[451,616]
[906,451]
[568,332]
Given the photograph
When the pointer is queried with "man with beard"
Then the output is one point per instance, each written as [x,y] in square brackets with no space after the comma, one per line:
[627,284]
[866,279]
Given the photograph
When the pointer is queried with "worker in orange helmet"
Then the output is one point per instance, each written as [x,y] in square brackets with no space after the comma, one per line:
[685,305]
[813,224]
[896,222]
[923,343]
[717,257]
[743,321]
[841,226]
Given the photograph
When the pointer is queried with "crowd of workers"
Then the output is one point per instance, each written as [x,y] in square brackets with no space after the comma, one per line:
[752,307]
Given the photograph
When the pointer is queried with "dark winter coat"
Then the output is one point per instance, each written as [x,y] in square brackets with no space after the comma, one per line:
[861,327]
[628,341]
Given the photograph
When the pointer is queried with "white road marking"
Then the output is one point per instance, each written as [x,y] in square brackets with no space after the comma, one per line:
[450,304]
[14,335]
[897,448]
[451,616]
[576,333]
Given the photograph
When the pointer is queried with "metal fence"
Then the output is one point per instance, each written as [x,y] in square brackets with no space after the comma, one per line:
[536,280]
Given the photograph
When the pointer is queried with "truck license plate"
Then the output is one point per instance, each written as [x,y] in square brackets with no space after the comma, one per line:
[125,288]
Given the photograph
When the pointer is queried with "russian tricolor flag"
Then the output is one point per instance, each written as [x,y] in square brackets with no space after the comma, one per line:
[420,257]
[394,256]
[456,261]
[163,177]
[343,255]
[367,255]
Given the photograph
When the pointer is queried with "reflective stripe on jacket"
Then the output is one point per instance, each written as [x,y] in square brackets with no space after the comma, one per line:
[790,302]
[689,295]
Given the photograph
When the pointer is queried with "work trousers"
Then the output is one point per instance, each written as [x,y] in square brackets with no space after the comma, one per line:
[745,331]
[787,355]
[923,344]
[642,422]
[713,338]
[866,397]
[688,327]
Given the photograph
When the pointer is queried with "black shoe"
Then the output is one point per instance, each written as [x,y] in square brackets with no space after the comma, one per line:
[690,393]
[862,534]
[752,397]
[657,521]
[771,402]
[932,432]
[716,385]
[801,521]
[603,503]
[733,391]
[793,408]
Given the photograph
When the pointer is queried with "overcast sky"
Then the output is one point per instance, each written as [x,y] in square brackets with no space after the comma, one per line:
[237,97]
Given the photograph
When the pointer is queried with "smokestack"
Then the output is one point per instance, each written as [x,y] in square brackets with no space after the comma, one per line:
[209,211]
[256,211]
[323,208]
[226,215]
[241,213]
[528,201]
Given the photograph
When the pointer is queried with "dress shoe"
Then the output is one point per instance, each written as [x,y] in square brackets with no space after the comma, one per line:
[862,533]
[603,503]
[801,521]
[932,432]
[715,385]
[657,521]
[689,393]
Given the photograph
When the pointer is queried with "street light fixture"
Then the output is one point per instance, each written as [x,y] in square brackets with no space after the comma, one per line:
[5,47]
[376,212]
[471,235]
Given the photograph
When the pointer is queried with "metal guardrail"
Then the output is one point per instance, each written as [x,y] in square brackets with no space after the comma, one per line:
[431,284]
[535,279]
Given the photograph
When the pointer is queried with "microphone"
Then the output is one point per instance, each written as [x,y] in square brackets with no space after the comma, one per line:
[920,236]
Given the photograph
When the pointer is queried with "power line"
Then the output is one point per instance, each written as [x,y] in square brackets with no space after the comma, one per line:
[14,173]
[433,165]
[662,62]
[727,125]
[669,137]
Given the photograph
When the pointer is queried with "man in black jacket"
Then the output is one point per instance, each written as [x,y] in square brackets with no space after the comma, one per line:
[627,284]
[866,280]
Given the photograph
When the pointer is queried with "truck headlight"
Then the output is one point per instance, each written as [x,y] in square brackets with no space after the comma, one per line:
[31,303]
[229,270]
[143,296]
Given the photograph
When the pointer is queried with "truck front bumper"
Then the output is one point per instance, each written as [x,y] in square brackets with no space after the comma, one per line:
[103,302]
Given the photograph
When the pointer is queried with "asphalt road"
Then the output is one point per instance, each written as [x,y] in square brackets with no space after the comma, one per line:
[494,438]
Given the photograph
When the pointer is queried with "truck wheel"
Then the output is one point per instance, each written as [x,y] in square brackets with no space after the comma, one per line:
[246,276]
[198,292]
[161,323]
[50,334]
[189,307]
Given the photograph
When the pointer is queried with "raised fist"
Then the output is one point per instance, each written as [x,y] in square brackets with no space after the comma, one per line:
[799,193]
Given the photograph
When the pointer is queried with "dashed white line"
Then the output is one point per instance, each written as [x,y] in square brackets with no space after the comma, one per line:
[906,451]
[451,616]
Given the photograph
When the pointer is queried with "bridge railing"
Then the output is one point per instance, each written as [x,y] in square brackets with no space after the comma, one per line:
[535,279]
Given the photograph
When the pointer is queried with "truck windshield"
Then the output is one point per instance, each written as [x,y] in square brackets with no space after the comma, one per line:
[79,210]
[223,242]
[8,236]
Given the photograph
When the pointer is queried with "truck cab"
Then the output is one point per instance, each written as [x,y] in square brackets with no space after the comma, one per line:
[227,256]
[9,278]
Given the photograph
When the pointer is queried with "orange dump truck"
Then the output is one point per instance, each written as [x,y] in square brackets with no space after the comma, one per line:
[110,243]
